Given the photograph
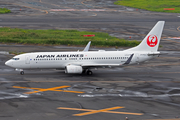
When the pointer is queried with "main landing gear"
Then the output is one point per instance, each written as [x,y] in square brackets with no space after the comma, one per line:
[88,72]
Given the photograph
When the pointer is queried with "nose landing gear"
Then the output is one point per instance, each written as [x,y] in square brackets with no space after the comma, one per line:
[21,71]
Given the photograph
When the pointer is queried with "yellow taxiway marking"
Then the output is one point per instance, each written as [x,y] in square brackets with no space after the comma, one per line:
[99,111]
[47,89]
[178,28]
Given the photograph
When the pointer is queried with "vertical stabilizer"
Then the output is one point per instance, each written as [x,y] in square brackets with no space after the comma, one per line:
[152,40]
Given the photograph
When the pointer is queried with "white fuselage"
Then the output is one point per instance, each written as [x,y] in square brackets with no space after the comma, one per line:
[59,60]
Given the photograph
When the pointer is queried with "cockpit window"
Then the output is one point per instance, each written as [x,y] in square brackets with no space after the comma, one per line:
[15,58]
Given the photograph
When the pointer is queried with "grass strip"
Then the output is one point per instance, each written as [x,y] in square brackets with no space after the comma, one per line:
[152,5]
[4,10]
[60,37]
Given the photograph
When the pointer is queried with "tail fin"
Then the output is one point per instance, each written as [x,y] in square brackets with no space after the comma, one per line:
[152,40]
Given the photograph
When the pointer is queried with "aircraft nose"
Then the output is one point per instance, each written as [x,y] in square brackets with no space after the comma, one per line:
[8,63]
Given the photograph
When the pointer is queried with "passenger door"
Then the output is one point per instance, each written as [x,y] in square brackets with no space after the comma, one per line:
[27,59]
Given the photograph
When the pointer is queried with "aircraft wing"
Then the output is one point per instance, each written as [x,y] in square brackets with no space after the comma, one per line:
[129,60]
[99,65]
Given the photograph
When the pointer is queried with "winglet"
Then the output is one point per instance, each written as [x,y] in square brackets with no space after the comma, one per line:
[129,60]
[86,49]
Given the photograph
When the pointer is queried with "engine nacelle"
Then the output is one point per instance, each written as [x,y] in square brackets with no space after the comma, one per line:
[73,69]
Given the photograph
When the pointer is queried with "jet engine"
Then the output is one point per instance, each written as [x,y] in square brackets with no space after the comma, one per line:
[73,69]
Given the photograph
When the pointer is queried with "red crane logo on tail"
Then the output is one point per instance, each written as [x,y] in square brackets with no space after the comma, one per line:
[152,40]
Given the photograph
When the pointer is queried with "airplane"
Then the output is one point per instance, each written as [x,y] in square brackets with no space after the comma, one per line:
[84,61]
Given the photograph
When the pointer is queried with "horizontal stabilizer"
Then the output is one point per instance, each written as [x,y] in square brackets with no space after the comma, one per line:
[157,53]
[153,53]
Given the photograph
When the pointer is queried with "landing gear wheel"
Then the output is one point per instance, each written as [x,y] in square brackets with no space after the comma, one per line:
[22,72]
[89,72]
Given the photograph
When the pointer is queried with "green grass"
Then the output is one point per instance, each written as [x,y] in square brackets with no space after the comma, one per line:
[4,10]
[60,37]
[152,5]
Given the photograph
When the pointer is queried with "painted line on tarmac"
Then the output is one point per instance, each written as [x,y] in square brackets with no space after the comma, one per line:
[47,89]
[175,38]
[107,110]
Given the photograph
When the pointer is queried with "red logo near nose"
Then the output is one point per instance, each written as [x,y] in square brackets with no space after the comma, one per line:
[152,40]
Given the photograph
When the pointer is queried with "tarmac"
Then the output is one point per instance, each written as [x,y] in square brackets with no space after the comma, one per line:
[145,91]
